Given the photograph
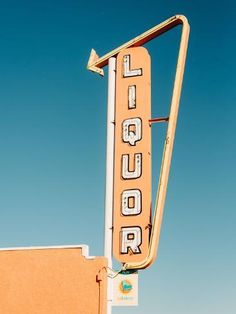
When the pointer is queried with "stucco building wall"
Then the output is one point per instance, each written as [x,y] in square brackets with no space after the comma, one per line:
[56,280]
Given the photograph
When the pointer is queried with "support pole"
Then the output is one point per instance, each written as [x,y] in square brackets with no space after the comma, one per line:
[110,174]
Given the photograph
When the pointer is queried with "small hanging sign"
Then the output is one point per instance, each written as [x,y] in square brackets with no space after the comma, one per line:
[125,289]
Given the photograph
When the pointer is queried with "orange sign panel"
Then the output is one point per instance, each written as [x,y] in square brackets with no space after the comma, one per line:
[132,161]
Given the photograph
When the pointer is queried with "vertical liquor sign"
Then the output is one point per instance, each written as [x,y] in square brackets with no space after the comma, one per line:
[127,207]
[132,161]
[128,200]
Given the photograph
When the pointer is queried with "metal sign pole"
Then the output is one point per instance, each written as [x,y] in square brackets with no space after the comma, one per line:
[110,174]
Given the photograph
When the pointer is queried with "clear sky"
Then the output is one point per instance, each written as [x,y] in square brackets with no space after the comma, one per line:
[53,133]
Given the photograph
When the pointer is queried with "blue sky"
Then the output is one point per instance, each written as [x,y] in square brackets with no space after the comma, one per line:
[53,132]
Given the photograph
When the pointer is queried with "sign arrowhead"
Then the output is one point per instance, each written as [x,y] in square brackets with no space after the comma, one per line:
[91,63]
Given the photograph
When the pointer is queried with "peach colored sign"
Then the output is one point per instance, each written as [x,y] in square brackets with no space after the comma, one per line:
[132,163]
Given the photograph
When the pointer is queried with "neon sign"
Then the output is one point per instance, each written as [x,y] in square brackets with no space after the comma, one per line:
[132,161]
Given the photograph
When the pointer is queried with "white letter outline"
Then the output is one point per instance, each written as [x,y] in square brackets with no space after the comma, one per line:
[127,72]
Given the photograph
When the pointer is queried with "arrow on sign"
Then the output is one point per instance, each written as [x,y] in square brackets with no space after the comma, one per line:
[96,63]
